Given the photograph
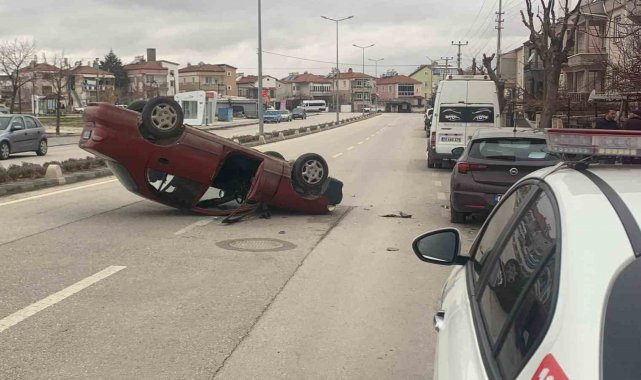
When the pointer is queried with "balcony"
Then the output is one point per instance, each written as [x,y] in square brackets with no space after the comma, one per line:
[597,59]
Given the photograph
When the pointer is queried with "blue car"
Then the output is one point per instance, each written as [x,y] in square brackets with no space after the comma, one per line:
[272,116]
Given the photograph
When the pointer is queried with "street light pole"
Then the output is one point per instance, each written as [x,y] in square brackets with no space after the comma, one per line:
[261,127]
[336,105]
[376,61]
[363,48]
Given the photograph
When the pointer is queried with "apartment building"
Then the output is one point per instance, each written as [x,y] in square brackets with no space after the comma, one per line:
[209,77]
[298,87]
[399,93]
[150,77]
[356,89]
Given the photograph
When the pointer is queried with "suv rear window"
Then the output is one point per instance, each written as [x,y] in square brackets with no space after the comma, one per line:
[511,149]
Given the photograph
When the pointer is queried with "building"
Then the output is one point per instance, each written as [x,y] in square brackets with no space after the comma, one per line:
[440,72]
[425,75]
[90,84]
[399,93]
[356,89]
[207,77]
[296,87]
[149,77]
[248,86]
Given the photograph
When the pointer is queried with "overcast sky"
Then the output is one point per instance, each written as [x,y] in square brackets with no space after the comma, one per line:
[404,31]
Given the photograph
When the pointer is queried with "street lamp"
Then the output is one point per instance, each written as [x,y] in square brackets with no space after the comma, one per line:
[337,68]
[376,61]
[261,127]
[363,48]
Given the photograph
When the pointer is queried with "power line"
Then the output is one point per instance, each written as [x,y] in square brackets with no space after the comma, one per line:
[334,63]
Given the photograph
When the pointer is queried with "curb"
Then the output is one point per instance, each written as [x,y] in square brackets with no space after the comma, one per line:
[42,183]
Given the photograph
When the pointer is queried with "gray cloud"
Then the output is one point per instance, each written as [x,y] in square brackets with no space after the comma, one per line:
[404,31]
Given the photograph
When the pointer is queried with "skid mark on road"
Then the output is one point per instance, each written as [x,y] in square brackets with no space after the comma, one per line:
[55,193]
[53,299]
[200,223]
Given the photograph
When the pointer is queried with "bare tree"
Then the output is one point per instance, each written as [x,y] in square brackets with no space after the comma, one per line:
[60,81]
[553,38]
[500,85]
[624,61]
[14,56]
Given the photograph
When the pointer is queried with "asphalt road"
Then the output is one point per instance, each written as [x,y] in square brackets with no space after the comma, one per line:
[96,282]
[65,147]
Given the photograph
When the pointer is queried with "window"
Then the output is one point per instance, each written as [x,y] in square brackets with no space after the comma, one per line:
[229,73]
[405,90]
[17,122]
[193,79]
[229,88]
[517,303]
[496,225]
[618,32]
[30,122]
[389,88]
[190,109]
[178,192]
[511,149]
[209,80]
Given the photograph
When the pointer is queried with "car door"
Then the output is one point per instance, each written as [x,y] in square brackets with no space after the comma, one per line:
[34,133]
[18,137]
[513,281]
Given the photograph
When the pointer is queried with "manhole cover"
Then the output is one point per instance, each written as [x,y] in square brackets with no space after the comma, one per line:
[256,245]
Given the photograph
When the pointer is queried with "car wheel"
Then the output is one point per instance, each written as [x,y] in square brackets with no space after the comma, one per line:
[5,150]
[275,154]
[430,161]
[438,164]
[43,147]
[162,117]
[512,271]
[137,106]
[310,172]
[457,217]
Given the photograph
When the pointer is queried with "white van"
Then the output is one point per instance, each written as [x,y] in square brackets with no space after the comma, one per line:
[314,105]
[464,103]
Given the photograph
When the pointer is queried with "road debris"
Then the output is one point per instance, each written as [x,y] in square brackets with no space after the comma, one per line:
[400,214]
[392,249]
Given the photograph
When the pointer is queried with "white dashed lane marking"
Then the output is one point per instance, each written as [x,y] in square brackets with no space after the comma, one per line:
[200,223]
[337,155]
[350,148]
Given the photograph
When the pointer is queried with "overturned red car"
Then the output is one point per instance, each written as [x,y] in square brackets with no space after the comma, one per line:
[155,155]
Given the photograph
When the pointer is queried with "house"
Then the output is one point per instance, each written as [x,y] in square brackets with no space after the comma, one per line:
[399,93]
[296,87]
[356,89]
[207,77]
[40,84]
[425,75]
[149,77]
[440,72]
[248,86]
[90,84]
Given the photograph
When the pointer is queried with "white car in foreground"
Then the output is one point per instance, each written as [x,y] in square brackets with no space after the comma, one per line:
[551,288]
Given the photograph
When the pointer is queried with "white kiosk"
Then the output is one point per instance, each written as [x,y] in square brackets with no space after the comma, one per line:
[199,107]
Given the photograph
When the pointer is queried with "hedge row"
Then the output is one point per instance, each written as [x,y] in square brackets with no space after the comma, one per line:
[288,132]
[34,171]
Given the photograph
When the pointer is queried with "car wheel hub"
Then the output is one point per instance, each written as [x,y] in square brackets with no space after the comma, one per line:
[5,150]
[313,172]
[43,147]
[164,116]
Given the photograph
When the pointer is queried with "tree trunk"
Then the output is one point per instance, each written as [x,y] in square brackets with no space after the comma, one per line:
[19,100]
[58,114]
[550,94]
[12,106]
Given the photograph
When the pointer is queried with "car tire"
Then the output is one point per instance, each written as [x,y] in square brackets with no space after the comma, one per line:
[137,106]
[310,172]
[43,147]
[162,117]
[430,161]
[275,155]
[457,217]
[438,164]
[5,150]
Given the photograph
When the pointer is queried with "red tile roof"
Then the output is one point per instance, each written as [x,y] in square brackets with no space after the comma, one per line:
[88,70]
[397,79]
[39,67]
[205,67]
[354,75]
[249,79]
[309,78]
[155,65]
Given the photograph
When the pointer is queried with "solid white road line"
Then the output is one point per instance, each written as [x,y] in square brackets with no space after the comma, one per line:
[53,299]
[55,193]
[337,155]
[200,223]
[350,148]
[361,142]
[367,139]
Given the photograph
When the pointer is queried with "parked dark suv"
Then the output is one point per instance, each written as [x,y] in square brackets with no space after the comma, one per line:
[299,113]
[21,133]
[492,162]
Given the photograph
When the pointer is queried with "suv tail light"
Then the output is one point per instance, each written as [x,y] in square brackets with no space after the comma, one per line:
[433,139]
[464,167]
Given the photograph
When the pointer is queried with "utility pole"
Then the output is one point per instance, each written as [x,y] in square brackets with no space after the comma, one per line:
[499,27]
[261,126]
[447,65]
[458,56]
[338,71]
[363,48]
[376,61]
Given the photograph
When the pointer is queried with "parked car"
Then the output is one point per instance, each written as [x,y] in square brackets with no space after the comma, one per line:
[156,156]
[21,133]
[299,113]
[553,276]
[285,115]
[463,104]
[272,116]
[494,160]
[4,110]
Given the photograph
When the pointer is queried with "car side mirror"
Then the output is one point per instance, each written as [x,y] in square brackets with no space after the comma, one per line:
[457,152]
[439,247]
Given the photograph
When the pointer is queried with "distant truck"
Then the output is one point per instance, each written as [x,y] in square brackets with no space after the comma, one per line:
[464,103]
